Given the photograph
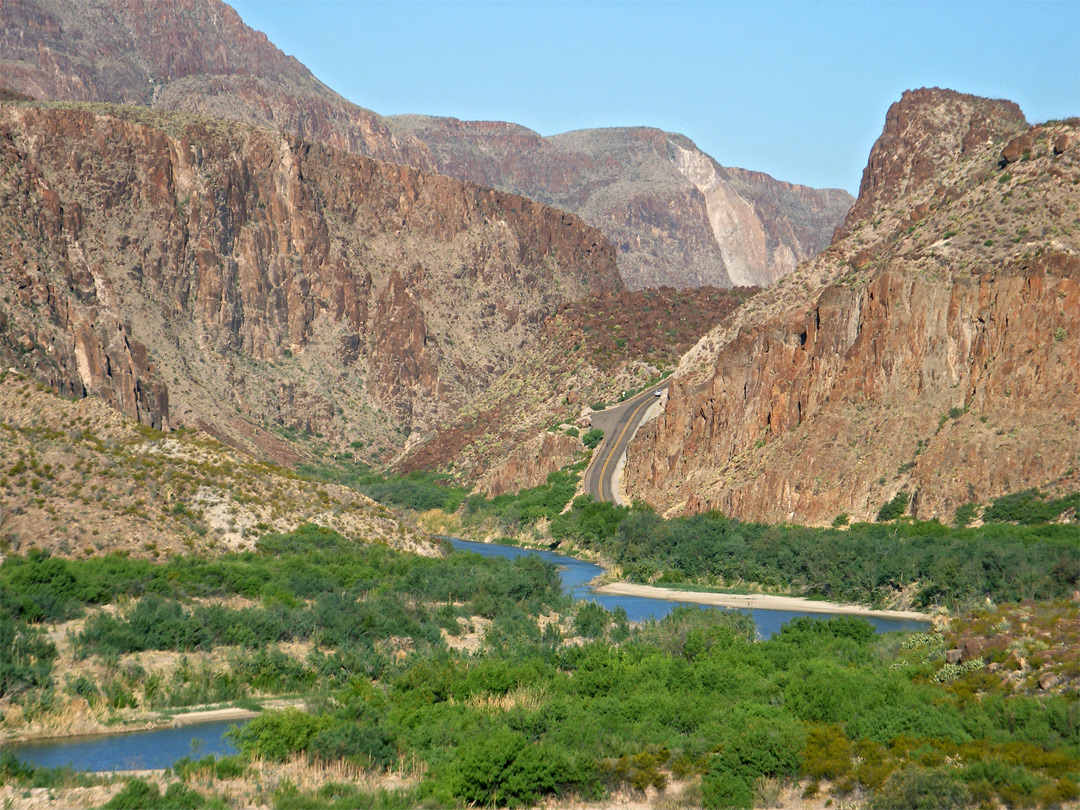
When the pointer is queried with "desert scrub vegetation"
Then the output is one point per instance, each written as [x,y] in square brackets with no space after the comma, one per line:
[865,563]
[353,607]
[579,708]
[418,492]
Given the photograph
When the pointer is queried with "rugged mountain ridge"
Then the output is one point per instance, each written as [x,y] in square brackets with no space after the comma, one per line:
[194,56]
[931,350]
[200,273]
[676,216]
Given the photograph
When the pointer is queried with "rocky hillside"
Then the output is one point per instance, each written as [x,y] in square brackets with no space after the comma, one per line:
[269,290]
[79,479]
[929,357]
[677,217]
[528,423]
[196,56]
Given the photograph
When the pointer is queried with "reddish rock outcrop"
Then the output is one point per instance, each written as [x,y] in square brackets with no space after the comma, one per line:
[926,132]
[937,354]
[530,463]
[264,280]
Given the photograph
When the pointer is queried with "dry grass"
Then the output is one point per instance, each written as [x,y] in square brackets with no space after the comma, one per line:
[523,697]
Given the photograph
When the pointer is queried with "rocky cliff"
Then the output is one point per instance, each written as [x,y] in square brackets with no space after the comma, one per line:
[196,56]
[676,216]
[194,272]
[932,350]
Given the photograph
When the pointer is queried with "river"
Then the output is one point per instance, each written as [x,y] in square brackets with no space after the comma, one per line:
[161,748]
[577,574]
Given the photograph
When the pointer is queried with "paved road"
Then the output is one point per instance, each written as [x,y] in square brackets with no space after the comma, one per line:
[618,424]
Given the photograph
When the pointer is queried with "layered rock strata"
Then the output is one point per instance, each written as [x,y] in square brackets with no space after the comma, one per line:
[677,217]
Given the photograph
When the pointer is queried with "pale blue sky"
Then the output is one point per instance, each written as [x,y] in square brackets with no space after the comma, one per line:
[795,89]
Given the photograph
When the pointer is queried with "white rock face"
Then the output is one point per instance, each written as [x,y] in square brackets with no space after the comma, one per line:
[734,222]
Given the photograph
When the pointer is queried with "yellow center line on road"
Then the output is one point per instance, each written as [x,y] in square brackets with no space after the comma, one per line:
[618,441]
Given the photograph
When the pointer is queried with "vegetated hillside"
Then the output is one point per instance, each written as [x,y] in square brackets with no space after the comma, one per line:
[928,358]
[677,217]
[78,479]
[208,274]
[592,352]
[191,55]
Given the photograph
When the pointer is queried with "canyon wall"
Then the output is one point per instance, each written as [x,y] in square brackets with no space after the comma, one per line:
[197,272]
[933,349]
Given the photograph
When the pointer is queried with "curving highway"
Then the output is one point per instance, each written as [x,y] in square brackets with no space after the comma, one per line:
[618,423]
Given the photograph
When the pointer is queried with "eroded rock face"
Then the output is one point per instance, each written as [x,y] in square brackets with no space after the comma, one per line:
[926,132]
[676,216]
[725,228]
[530,463]
[195,56]
[932,349]
[200,273]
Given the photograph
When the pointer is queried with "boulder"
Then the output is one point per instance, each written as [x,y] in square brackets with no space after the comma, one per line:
[1016,148]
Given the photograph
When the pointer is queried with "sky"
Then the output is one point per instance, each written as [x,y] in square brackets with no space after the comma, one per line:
[798,90]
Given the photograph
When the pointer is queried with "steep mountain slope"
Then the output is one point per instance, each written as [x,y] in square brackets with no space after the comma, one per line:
[676,216]
[592,351]
[195,272]
[191,55]
[932,352]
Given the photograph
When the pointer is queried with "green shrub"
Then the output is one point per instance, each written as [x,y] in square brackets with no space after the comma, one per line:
[590,620]
[276,735]
[920,788]
[965,513]
[827,754]
[353,741]
[894,508]
[26,655]
[138,794]
[1029,507]
[504,768]
[592,438]
[722,789]
[141,795]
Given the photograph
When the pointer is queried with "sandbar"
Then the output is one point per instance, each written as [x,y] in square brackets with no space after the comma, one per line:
[754,601]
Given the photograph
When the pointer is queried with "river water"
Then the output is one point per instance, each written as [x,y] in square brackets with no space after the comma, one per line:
[130,751]
[577,574]
[162,747]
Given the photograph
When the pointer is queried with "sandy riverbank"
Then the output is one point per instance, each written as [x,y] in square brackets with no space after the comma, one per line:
[754,601]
